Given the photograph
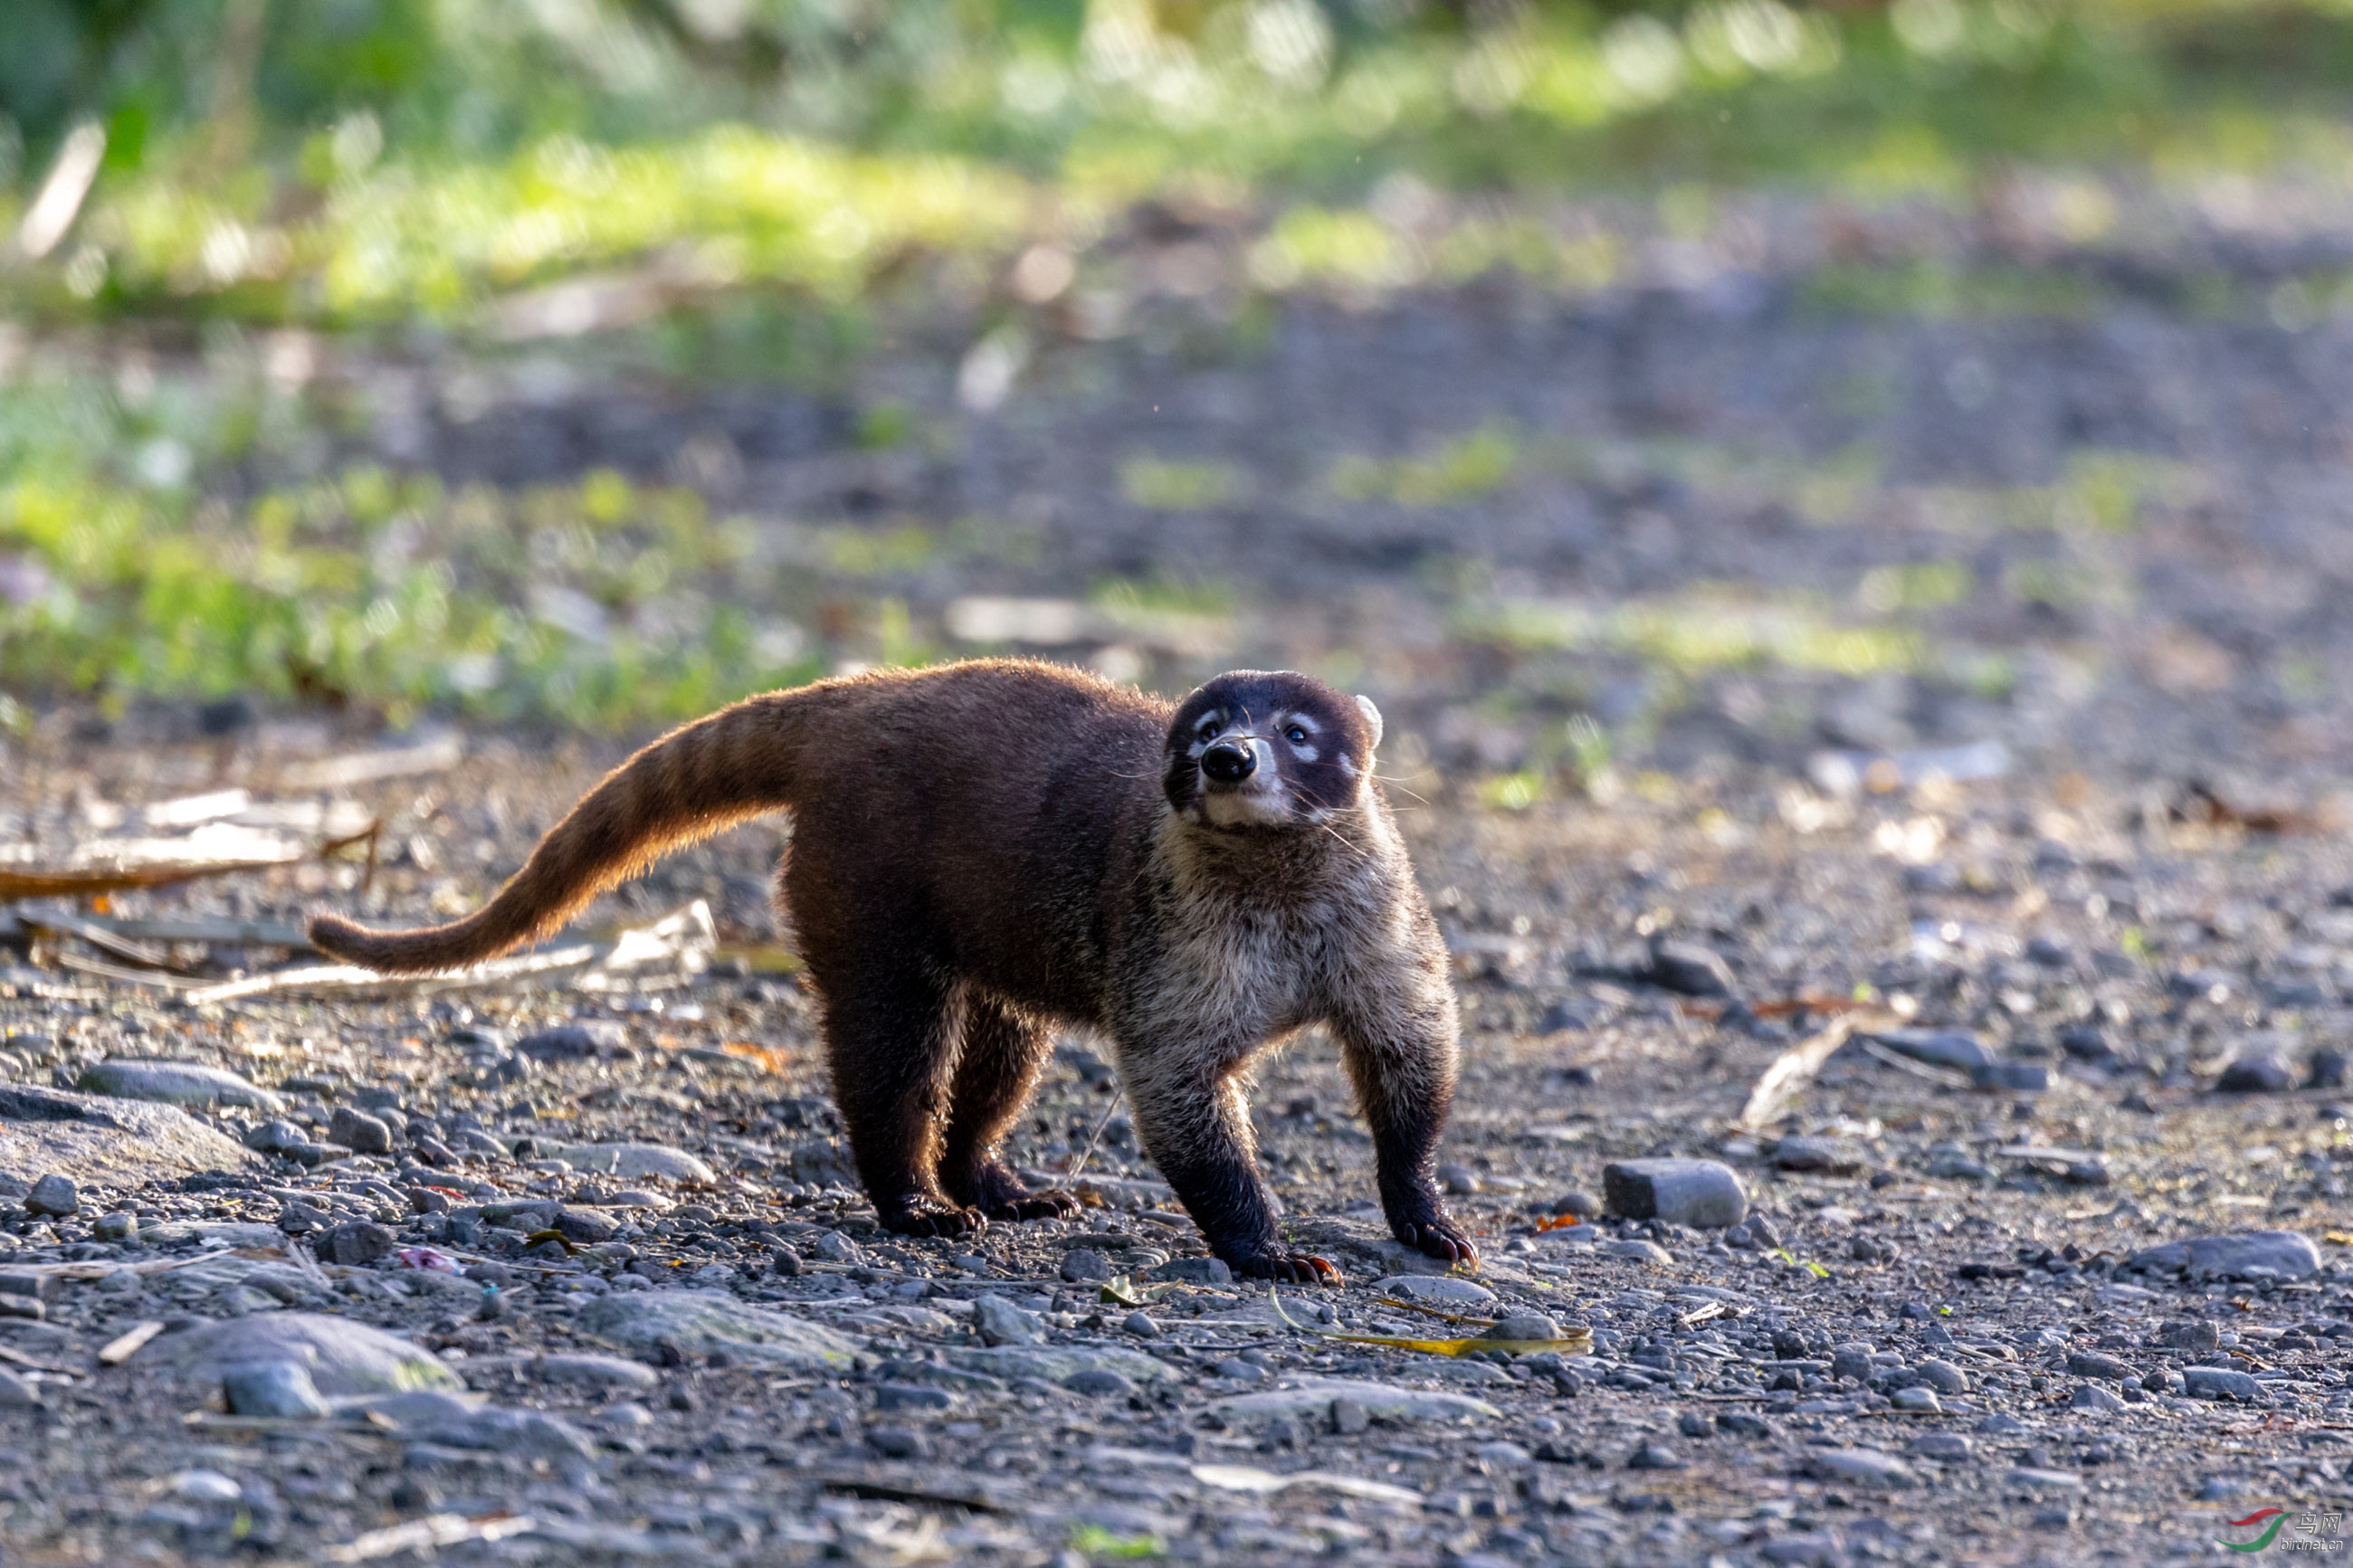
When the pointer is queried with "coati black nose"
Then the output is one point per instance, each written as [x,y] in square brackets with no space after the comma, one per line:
[1230,764]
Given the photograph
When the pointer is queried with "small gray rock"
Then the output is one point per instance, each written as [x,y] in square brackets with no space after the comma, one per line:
[1956,1049]
[1701,1193]
[16,1394]
[2013,1078]
[2092,1363]
[1943,1375]
[708,1320]
[1814,1154]
[1084,1265]
[581,1040]
[2035,1479]
[1194,1271]
[1655,1457]
[1001,1322]
[1945,1447]
[899,1443]
[173,1083]
[1099,1381]
[1687,967]
[120,1226]
[2221,1383]
[2196,1336]
[2094,1396]
[1918,1397]
[582,1369]
[1439,1289]
[913,1396]
[53,1195]
[1862,1468]
[1852,1360]
[586,1227]
[359,1131]
[1349,1417]
[1460,1180]
[2251,1255]
[357,1242]
[1141,1325]
[1640,1251]
[283,1389]
[2257,1068]
[1523,1326]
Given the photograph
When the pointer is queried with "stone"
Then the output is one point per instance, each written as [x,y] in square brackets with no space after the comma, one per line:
[1814,1154]
[631,1161]
[283,1389]
[357,1242]
[1943,1375]
[1000,1322]
[343,1357]
[1436,1288]
[582,1369]
[585,1226]
[1059,1364]
[1861,1468]
[1099,1381]
[359,1131]
[584,1039]
[2197,1336]
[1946,1447]
[16,1394]
[1311,1399]
[2326,1069]
[1349,1417]
[1655,1457]
[1804,1549]
[1957,1050]
[899,1443]
[2092,1364]
[55,1196]
[121,1226]
[1460,1180]
[173,1083]
[1194,1271]
[526,1433]
[703,1321]
[2035,1479]
[2002,1424]
[913,1396]
[1085,1266]
[1688,968]
[2014,1078]
[2256,1068]
[2097,1397]
[2251,1255]
[1918,1397]
[1521,1327]
[1141,1325]
[289,1142]
[2220,1383]
[1852,1360]
[1581,1204]
[1701,1193]
[1637,1251]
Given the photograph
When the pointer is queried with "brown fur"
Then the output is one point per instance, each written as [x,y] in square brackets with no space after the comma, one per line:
[984,850]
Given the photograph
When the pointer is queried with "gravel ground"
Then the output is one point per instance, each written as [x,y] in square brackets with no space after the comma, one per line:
[2097,997]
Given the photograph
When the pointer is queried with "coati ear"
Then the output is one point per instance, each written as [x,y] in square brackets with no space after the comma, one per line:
[1372,717]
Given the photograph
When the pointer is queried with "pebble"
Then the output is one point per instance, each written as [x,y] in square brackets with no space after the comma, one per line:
[342,1357]
[1444,1289]
[1084,1265]
[2221,1383]
[2256,1069]
[1852,1360]
[2002,1424]
[1702,1194]
[54,1196]
[1655,1457]
[1814,1154]
[899,1443]
[2251,1255]
[585,1226]
[913,1396]
[2096,1397]
[1141,1325]
[1943,1375]
[1194,1271]
[630,1162]
[205,1485]
[1946,1448]
[1460,1180]
[16,1394]
[581,1040]
[2092,1364]
[1523,1326]
[1640,1251]
[357,1242]
[1238,1371]
[1000,1322]
[1688,968]
[588,1370]
[1862,1468]
[1099,1381]
[1314,1398]
[1578,1202]
[2196,1335]
[120,1227]
[703,1321]
[1915,1398]
[2035,1479]
[359,1131]
[1955,1049]
[173,1083]
[276,1388]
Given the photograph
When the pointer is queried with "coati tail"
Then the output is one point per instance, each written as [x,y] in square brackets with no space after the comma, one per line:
[738,764]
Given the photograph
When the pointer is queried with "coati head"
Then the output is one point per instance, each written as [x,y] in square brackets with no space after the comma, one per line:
[1257,748]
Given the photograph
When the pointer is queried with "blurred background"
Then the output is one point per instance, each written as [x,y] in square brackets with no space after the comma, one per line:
[1739,404]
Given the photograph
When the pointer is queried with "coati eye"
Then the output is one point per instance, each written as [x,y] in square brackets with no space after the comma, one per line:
[1296,735]
[1209,728]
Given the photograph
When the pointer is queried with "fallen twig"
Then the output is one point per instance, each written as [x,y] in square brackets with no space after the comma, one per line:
[123,1347]
[1797,1066]
[87,881]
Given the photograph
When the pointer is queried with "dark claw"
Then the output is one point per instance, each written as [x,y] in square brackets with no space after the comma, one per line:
[1036,1206]
[1287,1268]
[1439,1240]
[930,1216]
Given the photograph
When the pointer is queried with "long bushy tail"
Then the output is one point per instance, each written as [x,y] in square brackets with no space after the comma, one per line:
[738,764]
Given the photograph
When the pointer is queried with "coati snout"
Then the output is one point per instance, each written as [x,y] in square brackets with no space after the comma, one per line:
[957,899]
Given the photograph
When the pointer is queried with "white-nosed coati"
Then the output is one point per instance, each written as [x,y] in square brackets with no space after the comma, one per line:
[983,850]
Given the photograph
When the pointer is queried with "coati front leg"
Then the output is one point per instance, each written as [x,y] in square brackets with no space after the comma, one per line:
[1402,1063]
[889,1034]
[1195,1123]
[995,1071]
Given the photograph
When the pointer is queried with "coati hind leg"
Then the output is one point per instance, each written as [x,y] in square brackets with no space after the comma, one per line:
[888,1039]
[995,1071]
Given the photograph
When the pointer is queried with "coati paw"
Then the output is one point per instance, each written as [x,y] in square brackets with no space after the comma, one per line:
[1049,1204]
[1286,1267]
[1439,1238]
[929,1217]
